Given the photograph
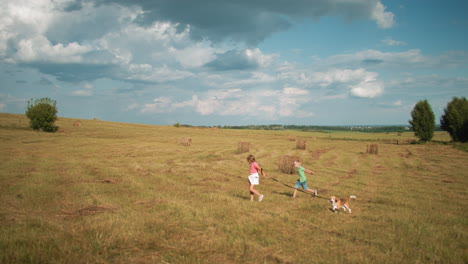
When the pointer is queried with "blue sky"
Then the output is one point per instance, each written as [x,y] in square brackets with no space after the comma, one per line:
[220,62]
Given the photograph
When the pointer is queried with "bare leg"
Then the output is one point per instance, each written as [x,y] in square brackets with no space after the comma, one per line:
[253,191]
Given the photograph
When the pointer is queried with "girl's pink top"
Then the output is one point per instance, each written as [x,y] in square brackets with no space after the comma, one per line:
[254,167]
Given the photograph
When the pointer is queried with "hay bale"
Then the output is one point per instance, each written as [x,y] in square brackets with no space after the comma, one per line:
[301,144]
[77,124]
[243,147]
[373,149]
[185,141]
[286,164]
[292,138]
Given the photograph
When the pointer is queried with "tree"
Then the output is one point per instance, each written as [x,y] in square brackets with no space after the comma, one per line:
[42,114]
[423,122]
[455,119]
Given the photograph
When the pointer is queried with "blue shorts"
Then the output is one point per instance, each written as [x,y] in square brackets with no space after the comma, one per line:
[303,184]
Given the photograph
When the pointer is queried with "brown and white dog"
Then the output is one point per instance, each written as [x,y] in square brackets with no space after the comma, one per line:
[341,203]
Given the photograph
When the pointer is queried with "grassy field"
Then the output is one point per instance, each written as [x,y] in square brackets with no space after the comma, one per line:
[124,193]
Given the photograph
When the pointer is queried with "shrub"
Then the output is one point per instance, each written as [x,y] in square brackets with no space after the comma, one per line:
[42,114]
[455,119]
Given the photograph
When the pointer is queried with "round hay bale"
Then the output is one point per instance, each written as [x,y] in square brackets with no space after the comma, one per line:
[77,124]
[373,149]
[286,164]
[185,141]
[301,144]
[243,147]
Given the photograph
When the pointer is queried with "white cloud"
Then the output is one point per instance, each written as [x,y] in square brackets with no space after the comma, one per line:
[259,58]
[367,89]
[390,42]
[159,105]
[88,90]
[39,49]
[383,19]
[294,91]
[237,102]
[146,72]
[3,107]
[361,83]
[193,56]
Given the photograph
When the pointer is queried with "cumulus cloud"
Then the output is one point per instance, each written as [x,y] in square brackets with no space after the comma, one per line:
[153,40]
[251,21]
[285,102]
[359,82]
[248,59]
[367,89]
[39,49]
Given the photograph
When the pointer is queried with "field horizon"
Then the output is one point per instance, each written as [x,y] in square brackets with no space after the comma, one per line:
[109,192]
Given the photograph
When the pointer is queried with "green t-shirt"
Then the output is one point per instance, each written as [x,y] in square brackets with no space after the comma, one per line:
[300,171]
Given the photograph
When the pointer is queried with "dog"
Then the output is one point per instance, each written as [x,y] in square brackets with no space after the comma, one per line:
[341,203]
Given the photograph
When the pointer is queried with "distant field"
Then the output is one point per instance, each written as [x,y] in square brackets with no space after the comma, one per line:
[104,192]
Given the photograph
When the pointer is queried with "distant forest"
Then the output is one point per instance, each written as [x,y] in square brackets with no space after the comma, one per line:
[325,129]
[369,129]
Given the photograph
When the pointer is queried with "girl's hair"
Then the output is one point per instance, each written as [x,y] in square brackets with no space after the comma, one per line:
[251,158]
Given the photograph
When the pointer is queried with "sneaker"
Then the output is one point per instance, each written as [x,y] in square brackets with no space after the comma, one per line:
[260,198]
[315,192]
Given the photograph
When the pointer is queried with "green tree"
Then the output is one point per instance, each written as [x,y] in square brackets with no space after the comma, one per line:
[455,119]
[423,121]
[42,114]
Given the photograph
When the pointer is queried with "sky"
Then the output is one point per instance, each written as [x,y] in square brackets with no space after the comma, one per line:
[234,62]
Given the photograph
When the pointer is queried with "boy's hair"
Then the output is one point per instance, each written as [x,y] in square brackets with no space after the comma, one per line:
[251,158]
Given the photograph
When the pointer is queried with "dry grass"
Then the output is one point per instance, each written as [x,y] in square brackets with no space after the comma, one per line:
[125,193]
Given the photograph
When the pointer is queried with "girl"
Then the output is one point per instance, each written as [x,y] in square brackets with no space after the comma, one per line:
[254,178]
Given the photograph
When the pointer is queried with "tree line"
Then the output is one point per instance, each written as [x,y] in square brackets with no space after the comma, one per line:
[324,129]
[42,114]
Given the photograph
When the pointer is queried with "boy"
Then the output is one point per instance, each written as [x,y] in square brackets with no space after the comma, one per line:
[302,181]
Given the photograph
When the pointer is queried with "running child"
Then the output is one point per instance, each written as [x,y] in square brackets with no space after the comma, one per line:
[254,178]
[302,181]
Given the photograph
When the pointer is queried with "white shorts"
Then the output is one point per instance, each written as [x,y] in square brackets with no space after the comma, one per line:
[254,178]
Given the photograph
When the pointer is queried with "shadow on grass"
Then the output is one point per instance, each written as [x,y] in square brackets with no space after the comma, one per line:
[292,187]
